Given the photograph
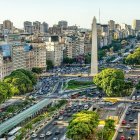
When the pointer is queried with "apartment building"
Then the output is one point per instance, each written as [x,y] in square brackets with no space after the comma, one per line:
[18,57]
[39,52]
[54,48]
[5,66]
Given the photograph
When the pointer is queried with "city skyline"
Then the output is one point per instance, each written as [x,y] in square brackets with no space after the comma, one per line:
[54,11]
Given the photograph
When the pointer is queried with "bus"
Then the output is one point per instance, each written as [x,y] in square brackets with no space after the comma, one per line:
[11,138]
[15,130]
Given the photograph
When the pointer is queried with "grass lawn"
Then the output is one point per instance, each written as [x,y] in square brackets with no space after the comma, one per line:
[111,135]
[78,84]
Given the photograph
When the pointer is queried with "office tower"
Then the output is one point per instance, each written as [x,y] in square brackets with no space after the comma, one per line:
[44,27]
[28,27]
[63,24]
[111,24]
[7,24]
[136,25]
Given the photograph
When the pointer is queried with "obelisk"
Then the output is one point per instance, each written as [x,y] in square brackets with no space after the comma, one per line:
[94,49]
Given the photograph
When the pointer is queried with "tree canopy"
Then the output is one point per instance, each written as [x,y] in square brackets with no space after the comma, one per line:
[20,81]
[4,91]
[49,64]
[37,70]
[134,58]
[82,125]
[68,60]
[111,81]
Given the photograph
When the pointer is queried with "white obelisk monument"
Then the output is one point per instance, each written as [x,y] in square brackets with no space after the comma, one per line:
[94,49]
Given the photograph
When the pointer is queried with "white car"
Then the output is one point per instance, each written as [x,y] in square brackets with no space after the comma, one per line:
[42,135]
[34,135]
[48,133]
[60,118]
[135,121]
[128,126]
[120,130]
[55,138]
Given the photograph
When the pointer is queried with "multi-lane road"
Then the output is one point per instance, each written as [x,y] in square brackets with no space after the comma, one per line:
[58,124]
[128,125]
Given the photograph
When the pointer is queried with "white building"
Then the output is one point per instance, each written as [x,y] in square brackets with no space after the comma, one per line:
[54,48]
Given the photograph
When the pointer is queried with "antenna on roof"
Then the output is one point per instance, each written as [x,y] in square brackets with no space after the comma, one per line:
[99,16]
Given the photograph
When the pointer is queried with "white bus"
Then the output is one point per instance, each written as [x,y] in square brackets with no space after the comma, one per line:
[11,138]
[15,130]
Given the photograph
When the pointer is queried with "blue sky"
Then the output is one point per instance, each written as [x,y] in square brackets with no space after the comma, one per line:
[79,12]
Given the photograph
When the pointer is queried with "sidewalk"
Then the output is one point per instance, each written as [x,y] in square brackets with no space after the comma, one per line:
[138,126]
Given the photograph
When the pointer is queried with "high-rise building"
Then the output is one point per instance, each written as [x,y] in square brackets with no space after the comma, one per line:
[44,27]
[55,30]
[28,28]
[36,26]
[63,24]
[111,24]
[136,25]
[18,57]
[7,24]
[39,55]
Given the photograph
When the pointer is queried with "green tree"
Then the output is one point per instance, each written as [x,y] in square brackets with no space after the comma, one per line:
[138,85]
[111,81]
[101,54]
[82,125]
[49,64]
[133,58]
[4,91]
[30,74]
[18,82]
[87,59]
[68,60]
[37,70]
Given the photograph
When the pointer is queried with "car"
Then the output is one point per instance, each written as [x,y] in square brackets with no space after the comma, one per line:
[129,138]
[48,133]
[124,122]
[135,121]
[133,111]
[60,118]
[130,119]
[127,113]
[132,132]
[120,130]
[42,135]
[55,138]
[34,135]
[61,112]
[128,126]
[56,116]
[122,138]
[57,132]
[55,123]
